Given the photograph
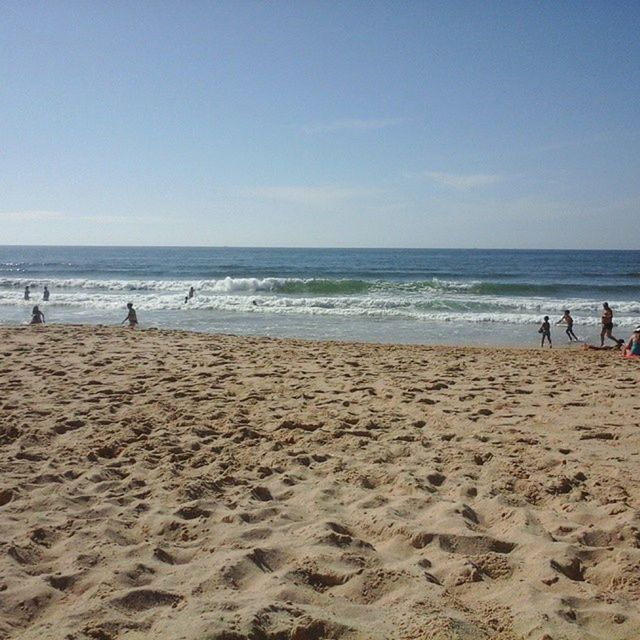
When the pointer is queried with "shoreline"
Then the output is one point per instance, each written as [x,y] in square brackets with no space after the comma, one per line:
[380,296]
[174,484]
[560,344]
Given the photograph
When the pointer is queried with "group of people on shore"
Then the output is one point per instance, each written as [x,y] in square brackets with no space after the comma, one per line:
[37,317]
[545,328]
[631,348]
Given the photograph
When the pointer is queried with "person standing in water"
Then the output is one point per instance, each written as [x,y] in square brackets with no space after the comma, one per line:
[607,324]
[132,317]
[27,293]
[568,320]
[192,292]
[45,294]
[37,317]
[545,330]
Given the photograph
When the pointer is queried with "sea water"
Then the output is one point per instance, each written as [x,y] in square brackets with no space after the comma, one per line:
[376,295]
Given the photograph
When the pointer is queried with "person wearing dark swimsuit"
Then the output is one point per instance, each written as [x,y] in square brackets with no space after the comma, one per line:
[607,324]
[37,317]
[132,317]
[545,330]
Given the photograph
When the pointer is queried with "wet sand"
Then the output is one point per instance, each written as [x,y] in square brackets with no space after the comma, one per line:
[168,485]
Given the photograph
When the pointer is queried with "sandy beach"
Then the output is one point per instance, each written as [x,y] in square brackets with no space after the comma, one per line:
[168,485]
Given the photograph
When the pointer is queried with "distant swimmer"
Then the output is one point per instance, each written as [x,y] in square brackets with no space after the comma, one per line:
[132,317]
[37,317]
[607,324]
[27,293]
[568,320]
[545,330]
[192,292]
[45,294]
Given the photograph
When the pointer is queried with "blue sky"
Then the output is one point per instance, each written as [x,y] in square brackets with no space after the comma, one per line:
[385,124]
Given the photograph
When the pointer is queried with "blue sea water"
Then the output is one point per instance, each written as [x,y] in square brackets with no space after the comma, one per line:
[377,295]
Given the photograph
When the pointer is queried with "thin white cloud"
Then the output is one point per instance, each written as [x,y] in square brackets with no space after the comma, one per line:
[309,196]
[598,138]
[463,181]
[32,216]
[104,219]
[45,216]
[354,124]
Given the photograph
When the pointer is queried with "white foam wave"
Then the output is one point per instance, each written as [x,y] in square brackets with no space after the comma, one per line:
[472,309]
[222,285]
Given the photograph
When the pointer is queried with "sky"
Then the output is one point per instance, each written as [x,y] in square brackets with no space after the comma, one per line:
[328,124]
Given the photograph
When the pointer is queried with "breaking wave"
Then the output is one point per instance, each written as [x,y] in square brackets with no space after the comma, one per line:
[327,286]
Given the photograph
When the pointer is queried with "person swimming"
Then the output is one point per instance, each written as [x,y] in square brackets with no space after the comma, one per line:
[45,294]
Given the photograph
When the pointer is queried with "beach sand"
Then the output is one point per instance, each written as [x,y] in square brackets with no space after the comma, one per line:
[168,485]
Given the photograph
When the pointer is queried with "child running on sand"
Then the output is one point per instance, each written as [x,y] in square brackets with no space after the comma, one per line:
[568,320]
[545,330]
[131,316]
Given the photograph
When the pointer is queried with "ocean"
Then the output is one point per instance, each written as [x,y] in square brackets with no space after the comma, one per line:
[429,296]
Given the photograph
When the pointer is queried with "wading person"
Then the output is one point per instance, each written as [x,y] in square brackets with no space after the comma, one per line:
[37,317]
[545,330]
[132,317]
[607,324]
[568,320]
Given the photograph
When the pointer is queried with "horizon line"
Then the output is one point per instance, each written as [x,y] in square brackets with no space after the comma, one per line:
[310,247]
